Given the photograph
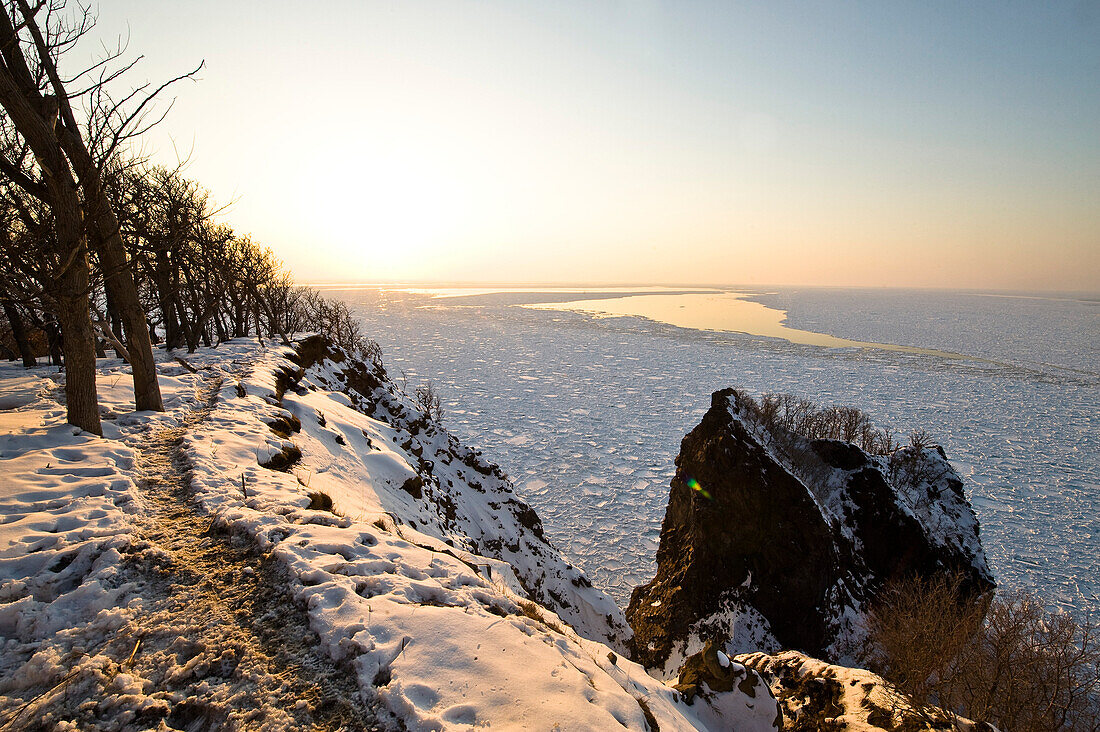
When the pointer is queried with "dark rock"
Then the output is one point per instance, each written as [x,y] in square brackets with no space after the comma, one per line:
[758,519]
[704,672]
[315,348]
[527,517]
[841,455]
[800,531]
[414,486]
[285,379]
[285,424]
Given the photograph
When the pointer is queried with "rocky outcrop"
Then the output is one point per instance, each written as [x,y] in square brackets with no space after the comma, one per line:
[722,689]
[815,696]
[774,539]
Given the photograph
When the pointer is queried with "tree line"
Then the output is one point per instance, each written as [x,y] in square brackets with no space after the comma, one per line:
[102,249]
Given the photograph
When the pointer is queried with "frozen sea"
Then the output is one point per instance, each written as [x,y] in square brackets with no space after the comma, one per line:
[586,412]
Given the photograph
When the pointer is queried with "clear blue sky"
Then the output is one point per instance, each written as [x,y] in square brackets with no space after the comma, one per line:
[841,143]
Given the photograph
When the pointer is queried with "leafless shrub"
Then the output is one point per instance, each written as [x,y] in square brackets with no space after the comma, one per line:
[372,351]
[1022,668]
[916,632]
[333,319]
[920,440]
[1031,668]
[803,417]
[427,399]
[906,466]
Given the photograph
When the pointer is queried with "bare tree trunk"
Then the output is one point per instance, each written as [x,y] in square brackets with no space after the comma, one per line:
[113,317]
[166,298]
[219,327]
[19,333]
[53,338]
[35,118]
[240,326]
[273,322]
[111,337]
[74,311]
[119,283]
[259,330]
[78,344]
[62,130]
[118,280]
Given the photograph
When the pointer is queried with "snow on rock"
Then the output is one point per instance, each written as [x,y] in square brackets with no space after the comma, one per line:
[813,694]
[773,540]
[727,693]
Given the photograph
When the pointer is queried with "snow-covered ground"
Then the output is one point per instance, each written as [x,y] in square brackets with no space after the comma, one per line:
[67,497]
[587,414]
[124,606]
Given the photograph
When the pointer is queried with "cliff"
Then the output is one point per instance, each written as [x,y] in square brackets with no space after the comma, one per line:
[772,540]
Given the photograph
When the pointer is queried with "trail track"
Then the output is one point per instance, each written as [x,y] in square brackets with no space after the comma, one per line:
[216,642]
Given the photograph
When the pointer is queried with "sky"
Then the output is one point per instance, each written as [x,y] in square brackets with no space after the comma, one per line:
[932,144]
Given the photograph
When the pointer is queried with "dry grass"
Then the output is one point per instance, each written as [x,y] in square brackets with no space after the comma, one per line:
[530,610]
[321,501]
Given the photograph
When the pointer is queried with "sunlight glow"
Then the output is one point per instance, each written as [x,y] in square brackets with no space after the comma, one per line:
[704,142]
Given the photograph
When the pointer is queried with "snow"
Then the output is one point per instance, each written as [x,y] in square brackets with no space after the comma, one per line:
[926,485]
[425,600]
[739,624]
[67,497]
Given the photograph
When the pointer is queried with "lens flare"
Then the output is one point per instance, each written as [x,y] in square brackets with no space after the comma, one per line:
[694,485]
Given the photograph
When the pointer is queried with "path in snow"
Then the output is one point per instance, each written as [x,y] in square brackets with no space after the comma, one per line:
[218,643]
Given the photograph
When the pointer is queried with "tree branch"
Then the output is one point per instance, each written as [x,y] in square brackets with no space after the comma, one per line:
[24,181]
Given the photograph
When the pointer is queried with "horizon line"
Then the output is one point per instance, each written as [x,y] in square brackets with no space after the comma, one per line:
[1076,295]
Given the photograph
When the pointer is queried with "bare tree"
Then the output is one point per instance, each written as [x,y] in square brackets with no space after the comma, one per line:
[50,179]
[427,399]
[67,158]
[785,413]
[917,631]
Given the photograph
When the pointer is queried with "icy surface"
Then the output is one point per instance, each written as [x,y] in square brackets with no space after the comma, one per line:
[587,414]
[1027,330]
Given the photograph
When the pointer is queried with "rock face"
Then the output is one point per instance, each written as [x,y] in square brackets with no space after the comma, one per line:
[774,539]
